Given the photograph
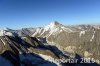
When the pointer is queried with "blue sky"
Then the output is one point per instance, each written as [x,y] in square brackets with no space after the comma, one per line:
[34,13]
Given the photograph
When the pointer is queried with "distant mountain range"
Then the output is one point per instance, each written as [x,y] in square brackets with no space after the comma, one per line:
[40,46]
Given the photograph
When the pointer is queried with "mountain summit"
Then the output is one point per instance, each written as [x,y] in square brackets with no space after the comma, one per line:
[56,23]
[52,26]
[52,29]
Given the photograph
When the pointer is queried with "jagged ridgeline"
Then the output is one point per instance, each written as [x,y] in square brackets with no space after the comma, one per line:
[40,46]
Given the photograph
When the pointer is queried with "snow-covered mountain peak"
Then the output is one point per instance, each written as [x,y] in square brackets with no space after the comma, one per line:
[55,23]
[52,26]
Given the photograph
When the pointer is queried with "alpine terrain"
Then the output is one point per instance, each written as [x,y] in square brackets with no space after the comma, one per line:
[53,45]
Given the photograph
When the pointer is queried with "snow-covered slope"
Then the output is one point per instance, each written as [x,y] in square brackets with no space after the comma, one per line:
[4,32]
[53,28]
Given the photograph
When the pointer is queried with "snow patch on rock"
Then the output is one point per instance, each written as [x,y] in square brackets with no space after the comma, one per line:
[92,37]
[87,54]
[49,58]
[5,32]
[81,33]
[38,31]
[3,42]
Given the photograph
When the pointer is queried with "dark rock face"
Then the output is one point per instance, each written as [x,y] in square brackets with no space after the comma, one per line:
[15,50]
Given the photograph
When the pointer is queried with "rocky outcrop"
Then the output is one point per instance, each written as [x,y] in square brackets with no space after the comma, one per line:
[27,51]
